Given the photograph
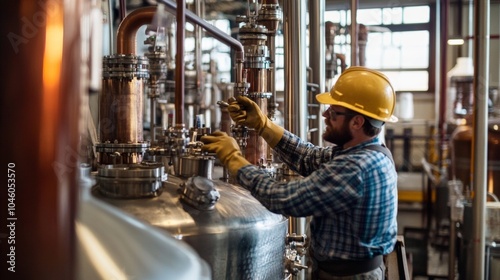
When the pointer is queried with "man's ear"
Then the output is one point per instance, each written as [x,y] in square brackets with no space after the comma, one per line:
[358,121]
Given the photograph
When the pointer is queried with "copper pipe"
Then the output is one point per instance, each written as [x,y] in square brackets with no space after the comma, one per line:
[362,39]
[111,22]
[443,146]
[123,9]
[137,18]
[126,34]
[126,43]
[493,36]
[179,62]
[270,2]
[341,58]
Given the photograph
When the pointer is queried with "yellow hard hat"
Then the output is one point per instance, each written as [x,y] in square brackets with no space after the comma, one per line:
[365,91]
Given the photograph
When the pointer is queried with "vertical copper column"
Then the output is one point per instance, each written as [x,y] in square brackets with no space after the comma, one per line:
[40,112]
[121,101]
[121,109]
[257,65]
[270,16]
[121,98]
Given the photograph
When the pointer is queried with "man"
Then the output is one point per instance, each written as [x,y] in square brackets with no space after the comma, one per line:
[350,190]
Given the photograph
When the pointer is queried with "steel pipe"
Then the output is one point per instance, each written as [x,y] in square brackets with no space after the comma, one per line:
[479,164]
[215,32]
[317,49]
[295,68]
[354,33]
[295,115]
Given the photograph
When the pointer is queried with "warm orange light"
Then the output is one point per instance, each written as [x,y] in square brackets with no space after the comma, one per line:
[52,62]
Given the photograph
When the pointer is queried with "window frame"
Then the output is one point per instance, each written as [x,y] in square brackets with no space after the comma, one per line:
[429,26]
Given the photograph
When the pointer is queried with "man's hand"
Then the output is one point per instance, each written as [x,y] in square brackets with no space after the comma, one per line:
[227,150]
[245,111]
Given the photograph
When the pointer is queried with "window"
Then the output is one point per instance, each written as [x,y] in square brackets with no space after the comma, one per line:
[398,44]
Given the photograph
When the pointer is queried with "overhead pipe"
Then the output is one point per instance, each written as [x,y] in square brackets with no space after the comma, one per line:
[479,162]
[127,30]
[126,42]
[216,33]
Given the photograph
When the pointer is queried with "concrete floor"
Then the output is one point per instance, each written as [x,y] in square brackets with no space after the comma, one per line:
[410,216]
[412,222]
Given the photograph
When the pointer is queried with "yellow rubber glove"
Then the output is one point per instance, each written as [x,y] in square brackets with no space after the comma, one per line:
[245,111]
[227,150]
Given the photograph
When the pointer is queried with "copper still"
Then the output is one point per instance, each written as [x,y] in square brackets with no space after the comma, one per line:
[462,83]
[121,109]
[257,64]
[237,236]
[462,153]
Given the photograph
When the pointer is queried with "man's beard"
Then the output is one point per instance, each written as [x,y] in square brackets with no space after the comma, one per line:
[338,136]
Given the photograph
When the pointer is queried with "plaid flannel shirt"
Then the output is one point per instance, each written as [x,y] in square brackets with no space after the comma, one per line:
[351,195]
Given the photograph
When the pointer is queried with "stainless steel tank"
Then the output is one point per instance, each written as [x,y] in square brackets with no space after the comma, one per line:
[239,238]
[111,244]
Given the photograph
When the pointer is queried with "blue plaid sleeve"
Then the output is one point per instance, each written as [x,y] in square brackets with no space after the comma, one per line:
[353,189]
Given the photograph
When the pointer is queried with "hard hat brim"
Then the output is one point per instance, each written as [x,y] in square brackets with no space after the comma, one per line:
[326,98]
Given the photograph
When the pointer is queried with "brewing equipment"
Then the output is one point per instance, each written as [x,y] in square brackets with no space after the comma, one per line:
[256,66]
[462,105]
[238,237]
[461,156]
[169,183]
[113,244]
[120,110]
[474,130]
